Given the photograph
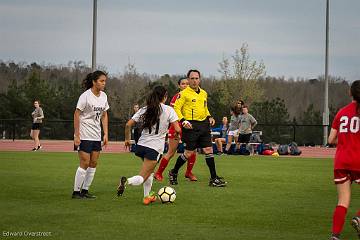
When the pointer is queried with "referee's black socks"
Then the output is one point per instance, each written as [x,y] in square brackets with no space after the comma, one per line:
[181,160]
[211,164]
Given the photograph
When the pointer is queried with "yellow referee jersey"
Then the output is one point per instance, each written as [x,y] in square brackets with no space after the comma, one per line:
[192,105]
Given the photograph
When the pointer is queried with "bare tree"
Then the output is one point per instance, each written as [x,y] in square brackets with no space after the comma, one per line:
[241,75]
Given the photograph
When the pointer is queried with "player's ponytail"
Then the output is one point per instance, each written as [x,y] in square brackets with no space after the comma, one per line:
[94,76]
[153,108]
[355,93]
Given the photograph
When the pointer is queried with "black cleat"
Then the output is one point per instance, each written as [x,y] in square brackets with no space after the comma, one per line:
[335,237]
[355,222]
[76,195]
[217,182]
[121,187]
[173,178]
[222,179]
[85,194]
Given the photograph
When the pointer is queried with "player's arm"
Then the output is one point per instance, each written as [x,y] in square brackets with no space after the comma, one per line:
[253,122]
[332,136]
[128,127]
[179,103]
[77,127]
[41,113]
[332,139]
[211,119]
[105,124]
[177,128]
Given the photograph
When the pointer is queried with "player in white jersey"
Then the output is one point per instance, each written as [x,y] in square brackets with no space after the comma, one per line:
[154,119]
[90,113]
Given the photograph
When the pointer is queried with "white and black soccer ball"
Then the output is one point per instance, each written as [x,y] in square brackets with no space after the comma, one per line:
[167,194]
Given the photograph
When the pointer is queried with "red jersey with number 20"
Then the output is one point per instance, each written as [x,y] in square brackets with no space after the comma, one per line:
[347,124]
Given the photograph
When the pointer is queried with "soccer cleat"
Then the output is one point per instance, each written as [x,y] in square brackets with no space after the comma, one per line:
[217,182]
[191,176]
[39,147]
[121,187]
[222,179]
[173,178]
[335,237]
[158,176]
[76,195]
[355,222]
[34,149]
[150,198]
[85,194]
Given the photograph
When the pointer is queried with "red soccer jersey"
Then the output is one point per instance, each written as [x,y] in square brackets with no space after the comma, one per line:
[347,124]
[174,98]
[172,129]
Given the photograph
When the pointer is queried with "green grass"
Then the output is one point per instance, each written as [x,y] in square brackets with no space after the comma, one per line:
[266,198]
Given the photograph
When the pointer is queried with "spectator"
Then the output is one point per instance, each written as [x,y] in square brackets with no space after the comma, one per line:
[37,116]
[233,130]
[219,141]
[247,124]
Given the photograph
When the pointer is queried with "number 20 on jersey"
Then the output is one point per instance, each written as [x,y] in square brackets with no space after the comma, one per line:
[353,125]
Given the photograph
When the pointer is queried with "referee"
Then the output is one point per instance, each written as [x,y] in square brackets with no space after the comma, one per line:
[191,108]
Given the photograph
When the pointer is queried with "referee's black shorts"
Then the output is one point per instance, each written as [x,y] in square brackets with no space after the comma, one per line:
[197,137]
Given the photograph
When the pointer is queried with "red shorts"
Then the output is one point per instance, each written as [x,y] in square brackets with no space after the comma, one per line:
[343,175]
[171,133]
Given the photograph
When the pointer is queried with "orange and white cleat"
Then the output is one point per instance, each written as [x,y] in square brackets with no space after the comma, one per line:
[150,198]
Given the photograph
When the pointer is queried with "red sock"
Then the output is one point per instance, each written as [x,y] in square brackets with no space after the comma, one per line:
[358,214]
[190,163]
[163,164]
[339,219]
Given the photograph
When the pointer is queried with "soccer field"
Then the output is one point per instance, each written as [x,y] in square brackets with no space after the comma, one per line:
[266,198]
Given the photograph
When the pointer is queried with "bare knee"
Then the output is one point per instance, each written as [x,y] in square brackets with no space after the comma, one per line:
[344,194]
[93,164]
[84,160]
[188,153]
[344,200]
[208,150]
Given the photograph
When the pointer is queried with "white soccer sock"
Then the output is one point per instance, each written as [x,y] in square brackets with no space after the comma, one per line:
[148,184]
[90,173]
[79,178]
[135,180]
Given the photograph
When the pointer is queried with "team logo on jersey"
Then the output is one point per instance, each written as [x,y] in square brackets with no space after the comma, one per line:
[98,111]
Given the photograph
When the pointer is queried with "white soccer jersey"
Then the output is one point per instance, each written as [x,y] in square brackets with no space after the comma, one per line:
[155,139]
[92,109]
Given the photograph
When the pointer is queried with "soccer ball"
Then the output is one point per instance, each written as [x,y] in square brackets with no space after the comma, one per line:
[167,194]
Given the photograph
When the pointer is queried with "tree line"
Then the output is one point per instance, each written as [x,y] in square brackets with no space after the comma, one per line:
[271,100]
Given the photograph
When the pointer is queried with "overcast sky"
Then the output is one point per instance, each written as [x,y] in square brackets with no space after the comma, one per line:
[171,36]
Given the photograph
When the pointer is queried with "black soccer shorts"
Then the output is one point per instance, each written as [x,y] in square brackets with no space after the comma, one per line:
[197,137]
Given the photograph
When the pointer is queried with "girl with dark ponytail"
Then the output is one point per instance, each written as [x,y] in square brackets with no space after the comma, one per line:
[90,114]
[153,109]
[155,118]
[87,83]
[345,132]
